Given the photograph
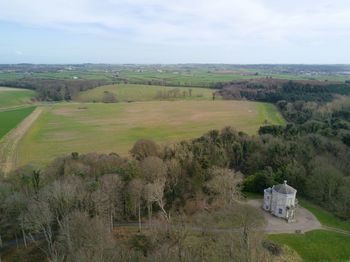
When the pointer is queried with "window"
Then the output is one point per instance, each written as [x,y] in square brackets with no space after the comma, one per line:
[268,197]
[280,211]
[267,207]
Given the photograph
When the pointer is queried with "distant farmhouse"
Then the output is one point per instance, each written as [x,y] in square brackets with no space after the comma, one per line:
[280,201]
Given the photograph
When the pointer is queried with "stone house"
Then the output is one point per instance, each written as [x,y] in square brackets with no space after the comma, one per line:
[280,201]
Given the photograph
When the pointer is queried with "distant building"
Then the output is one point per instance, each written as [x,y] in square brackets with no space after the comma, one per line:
[280,201]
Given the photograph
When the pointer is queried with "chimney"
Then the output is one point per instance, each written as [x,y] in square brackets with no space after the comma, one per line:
[285,182]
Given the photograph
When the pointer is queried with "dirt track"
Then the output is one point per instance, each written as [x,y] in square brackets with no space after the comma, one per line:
[9,143]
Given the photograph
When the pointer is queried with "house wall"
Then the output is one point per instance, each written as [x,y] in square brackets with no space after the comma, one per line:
[267,200]
[280,202]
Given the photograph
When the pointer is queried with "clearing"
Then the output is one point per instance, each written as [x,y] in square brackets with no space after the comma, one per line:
[104,128]
[129,92]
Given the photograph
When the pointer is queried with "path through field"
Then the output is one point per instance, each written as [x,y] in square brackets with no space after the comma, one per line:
[9,143]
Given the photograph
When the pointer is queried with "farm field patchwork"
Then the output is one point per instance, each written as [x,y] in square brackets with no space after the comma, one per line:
[317,245]
[98,127]
[129,92]
[9,119]
[197,77]
[11,97]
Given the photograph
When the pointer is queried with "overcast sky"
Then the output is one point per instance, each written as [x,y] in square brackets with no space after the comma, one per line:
[175,31]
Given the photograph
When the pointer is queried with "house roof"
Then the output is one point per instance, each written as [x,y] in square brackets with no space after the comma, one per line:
[284,188]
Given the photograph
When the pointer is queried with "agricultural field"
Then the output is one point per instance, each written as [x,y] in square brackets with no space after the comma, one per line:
[9,119]
[129,92]
[98,127]
[13,97]
[317,245]
[191,77]
[177,75]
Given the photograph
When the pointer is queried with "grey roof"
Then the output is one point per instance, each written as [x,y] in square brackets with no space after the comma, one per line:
[284,188]
[268,190]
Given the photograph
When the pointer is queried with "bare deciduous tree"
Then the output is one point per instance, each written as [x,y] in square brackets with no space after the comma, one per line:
[153,168]
[224,184]
[135,189]
[154,193]
[82,238]
[144,148]
[37,220]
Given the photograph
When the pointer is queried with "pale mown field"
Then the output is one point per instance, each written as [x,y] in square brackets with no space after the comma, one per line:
[129,92]
[97,127]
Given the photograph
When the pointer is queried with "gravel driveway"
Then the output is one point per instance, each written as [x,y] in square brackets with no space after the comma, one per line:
[305,220]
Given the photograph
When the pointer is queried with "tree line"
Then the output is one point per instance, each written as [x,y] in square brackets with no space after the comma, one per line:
[274,90]
[54,89]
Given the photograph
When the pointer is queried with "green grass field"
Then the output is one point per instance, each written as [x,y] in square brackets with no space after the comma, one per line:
[11,118]
[127,92]
[326,218]
[317,245]
[97,127]
[12,97]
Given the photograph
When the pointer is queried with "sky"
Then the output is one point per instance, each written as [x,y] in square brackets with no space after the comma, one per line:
[175,31]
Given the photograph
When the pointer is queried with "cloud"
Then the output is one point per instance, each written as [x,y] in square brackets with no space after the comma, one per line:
[252,30]
[192,21]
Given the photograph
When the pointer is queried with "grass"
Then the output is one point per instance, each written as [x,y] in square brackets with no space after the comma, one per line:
[326,218]
[127,92]
[97,127]
[317,245]
[11,118]
[269,113]
[11,97]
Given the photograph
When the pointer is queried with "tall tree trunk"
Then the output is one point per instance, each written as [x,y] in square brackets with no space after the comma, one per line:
[149,212]
[24,238]
[111,222]
[140,217]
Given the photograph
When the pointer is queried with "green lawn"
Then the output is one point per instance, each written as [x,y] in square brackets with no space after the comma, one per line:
[270,114]
[11,97]
[87,127]
[127,92]
[326,218]
[11,118]
[317,245]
